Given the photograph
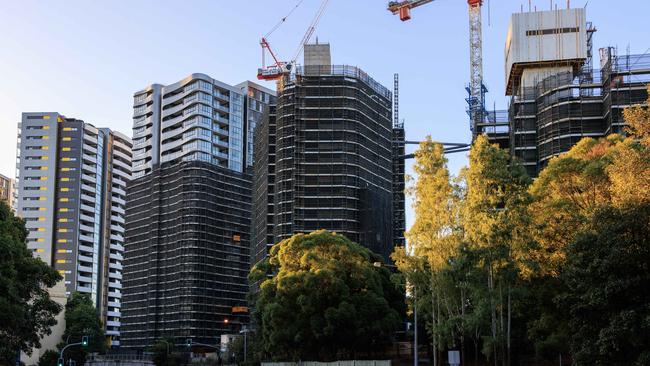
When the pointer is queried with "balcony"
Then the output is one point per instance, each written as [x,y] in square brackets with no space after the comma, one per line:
[221,96]
[85,279]
[220,131]
[117,247]
[115,256]
[87,218]
[85,248]
[114,314]
[91,169]
[89,178]
[84,269]
[125,175]
[119,191]
[220,142]
[223,120]
[89,148]
[121,155]
[86,238]
[118,200]
[84,289]
[87,197]
[175,109]
[117,228]
[84,258]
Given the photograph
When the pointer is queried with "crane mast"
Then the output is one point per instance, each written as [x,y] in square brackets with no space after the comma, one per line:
[477,95]
[476,89]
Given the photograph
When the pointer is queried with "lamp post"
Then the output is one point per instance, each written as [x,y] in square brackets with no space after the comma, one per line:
[245,330]
[415,314]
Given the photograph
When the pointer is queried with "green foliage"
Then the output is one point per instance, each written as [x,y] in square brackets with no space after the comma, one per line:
[326,299]
[607,276]
[164,353]
[48,358]
[26,310]
[524,272]
[81,319]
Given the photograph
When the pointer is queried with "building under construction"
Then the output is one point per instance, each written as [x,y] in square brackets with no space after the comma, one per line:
[325,159]
[557,96]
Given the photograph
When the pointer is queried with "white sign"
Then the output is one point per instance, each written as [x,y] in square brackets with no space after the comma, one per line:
[454,358]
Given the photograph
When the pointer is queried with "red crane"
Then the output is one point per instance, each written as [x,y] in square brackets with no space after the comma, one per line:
[281,68]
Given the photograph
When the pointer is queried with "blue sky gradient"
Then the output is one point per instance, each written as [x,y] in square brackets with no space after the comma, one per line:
[85,59]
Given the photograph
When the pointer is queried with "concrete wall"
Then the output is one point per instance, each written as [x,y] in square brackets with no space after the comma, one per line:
[318,54]
[544,37]
[57,293]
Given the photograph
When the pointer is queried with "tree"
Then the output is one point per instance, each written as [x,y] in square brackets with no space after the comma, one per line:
[164,355]
[637,119]
[26,310]
[325,300]
[433,236]
[607,280]
[494,219]
[81,319]
[630,170]
[48,358]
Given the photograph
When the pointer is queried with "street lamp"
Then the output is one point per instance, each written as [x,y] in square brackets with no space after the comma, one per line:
[415,314]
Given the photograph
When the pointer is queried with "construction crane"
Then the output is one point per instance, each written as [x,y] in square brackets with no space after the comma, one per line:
[281,68]
[476,89]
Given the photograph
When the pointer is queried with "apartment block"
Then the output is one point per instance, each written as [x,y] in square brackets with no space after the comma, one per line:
[328,159]
[187,251]
[71,179]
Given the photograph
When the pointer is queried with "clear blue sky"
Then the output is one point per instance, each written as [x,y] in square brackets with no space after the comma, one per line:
[85,59]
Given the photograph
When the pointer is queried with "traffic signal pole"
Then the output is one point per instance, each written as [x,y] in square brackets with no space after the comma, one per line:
[83,343]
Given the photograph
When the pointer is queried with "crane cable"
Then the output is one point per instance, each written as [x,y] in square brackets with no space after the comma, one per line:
[310,30]
[283,19]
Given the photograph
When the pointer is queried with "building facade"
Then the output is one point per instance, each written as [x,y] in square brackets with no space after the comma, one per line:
[557,95]
[326,158]
[187,251]
[71,192]
[7,190]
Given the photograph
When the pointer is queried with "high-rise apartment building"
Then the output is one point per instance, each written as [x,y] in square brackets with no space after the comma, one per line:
[187,251]
[557,96]
[326,158]
[71,180]
[7,190]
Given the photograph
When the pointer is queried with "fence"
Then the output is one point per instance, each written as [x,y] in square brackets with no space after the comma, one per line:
[335,363]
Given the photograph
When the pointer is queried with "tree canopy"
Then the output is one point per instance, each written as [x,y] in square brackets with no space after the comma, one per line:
[26,310]
[607,278]
[325,299]
[82,319]
[531,271]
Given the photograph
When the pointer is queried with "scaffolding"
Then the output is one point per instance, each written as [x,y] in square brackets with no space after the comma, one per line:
[335,156]
[548,119]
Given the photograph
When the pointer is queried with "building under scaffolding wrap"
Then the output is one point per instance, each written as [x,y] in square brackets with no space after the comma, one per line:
[329,161]
[557,98]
